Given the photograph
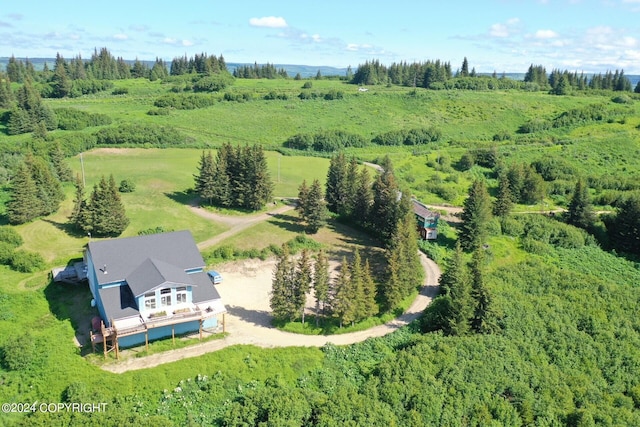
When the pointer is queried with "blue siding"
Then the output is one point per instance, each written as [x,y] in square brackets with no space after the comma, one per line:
[210,323]
[157,333]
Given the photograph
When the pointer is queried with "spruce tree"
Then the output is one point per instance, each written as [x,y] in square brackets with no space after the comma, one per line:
[221,186]
[504,200]
[336,184]
[60,166]
[342,304]
[282,300]
[49,190]
[23,204]
[357,287]
[78,212]
[476,215]
[303,196]
[351,188]
[259,188]
[483,319]
[321,284]
[369,290]
[303,280]
[118,220]
[206,177]
[393,289]
[624,228]
[579,212]
[364,198]
[315,210]
[455,283]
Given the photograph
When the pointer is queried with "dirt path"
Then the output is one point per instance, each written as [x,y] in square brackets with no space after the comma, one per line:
[245,292]
[237,223]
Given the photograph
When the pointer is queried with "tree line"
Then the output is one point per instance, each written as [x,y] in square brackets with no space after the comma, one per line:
[262,71]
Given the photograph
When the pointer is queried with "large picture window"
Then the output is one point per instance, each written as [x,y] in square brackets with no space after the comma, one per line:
[181,295]
[165,297]
[150,301]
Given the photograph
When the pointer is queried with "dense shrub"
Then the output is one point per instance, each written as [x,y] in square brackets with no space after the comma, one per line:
[237,96]
[18,352]
[6,253]
[73,119]
[213,83]
[10,236]
[26,262]
[127,186]
[86,87]
[184,101]
[153,230]
[120,91]
[326,141]
[272,95]
[140,134]
[553,168]
[408,137]
[159,112]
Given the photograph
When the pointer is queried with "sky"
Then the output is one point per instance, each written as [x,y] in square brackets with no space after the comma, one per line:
[494,35]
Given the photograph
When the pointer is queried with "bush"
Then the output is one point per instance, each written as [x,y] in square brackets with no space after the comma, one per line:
[213,83]
[10,235]
[159,112]
[153,230]
[73,119]
[6,253]
[127,186]
[185,101]
[326,141]
[136,134]
[19,352]
[120,91]
[26,262]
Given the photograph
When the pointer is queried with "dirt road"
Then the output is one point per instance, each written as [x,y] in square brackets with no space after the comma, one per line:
[245,292]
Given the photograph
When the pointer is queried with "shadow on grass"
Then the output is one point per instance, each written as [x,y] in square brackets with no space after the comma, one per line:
[73,303]
[287,222]
[66,227]
[187,197]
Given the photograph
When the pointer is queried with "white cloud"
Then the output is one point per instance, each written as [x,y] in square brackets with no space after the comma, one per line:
[499,30]
[316,38]
[268,22]
[120,36]
[546,34]
[502,30]
[187,43]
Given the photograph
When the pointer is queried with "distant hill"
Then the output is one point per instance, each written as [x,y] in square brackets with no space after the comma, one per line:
[291,69]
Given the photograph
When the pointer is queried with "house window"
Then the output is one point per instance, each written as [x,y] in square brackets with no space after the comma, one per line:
[150,301]
[165,297]
[181,295]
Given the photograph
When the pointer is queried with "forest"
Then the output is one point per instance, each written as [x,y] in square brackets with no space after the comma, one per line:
[536,321]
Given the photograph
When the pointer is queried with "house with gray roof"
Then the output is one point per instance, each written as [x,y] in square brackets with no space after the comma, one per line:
[150,287]
[427,220]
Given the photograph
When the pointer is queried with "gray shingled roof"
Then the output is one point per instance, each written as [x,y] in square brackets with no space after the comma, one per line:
[146,263]
[153,274]
[122,256]
[423,211]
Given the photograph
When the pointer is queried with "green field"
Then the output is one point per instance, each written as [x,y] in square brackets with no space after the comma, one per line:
[567,348]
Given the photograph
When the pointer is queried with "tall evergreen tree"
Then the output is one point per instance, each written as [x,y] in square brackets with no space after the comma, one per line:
[303,196]
[49,190]
[336,193]
[356,286]
[23,204]
[259,188]
[624,228]
[351,188]
[464,71]
[483,319]
[79,211]
[476,215]
[321,284]
[364,198]
[221,184]
[282,301]
[504,200]
[315,211]
[454,282]
[60,166]
[385,211]
[580,212]
[369,289]
[105,214]
[303,280]
[343,305]
[206,177]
